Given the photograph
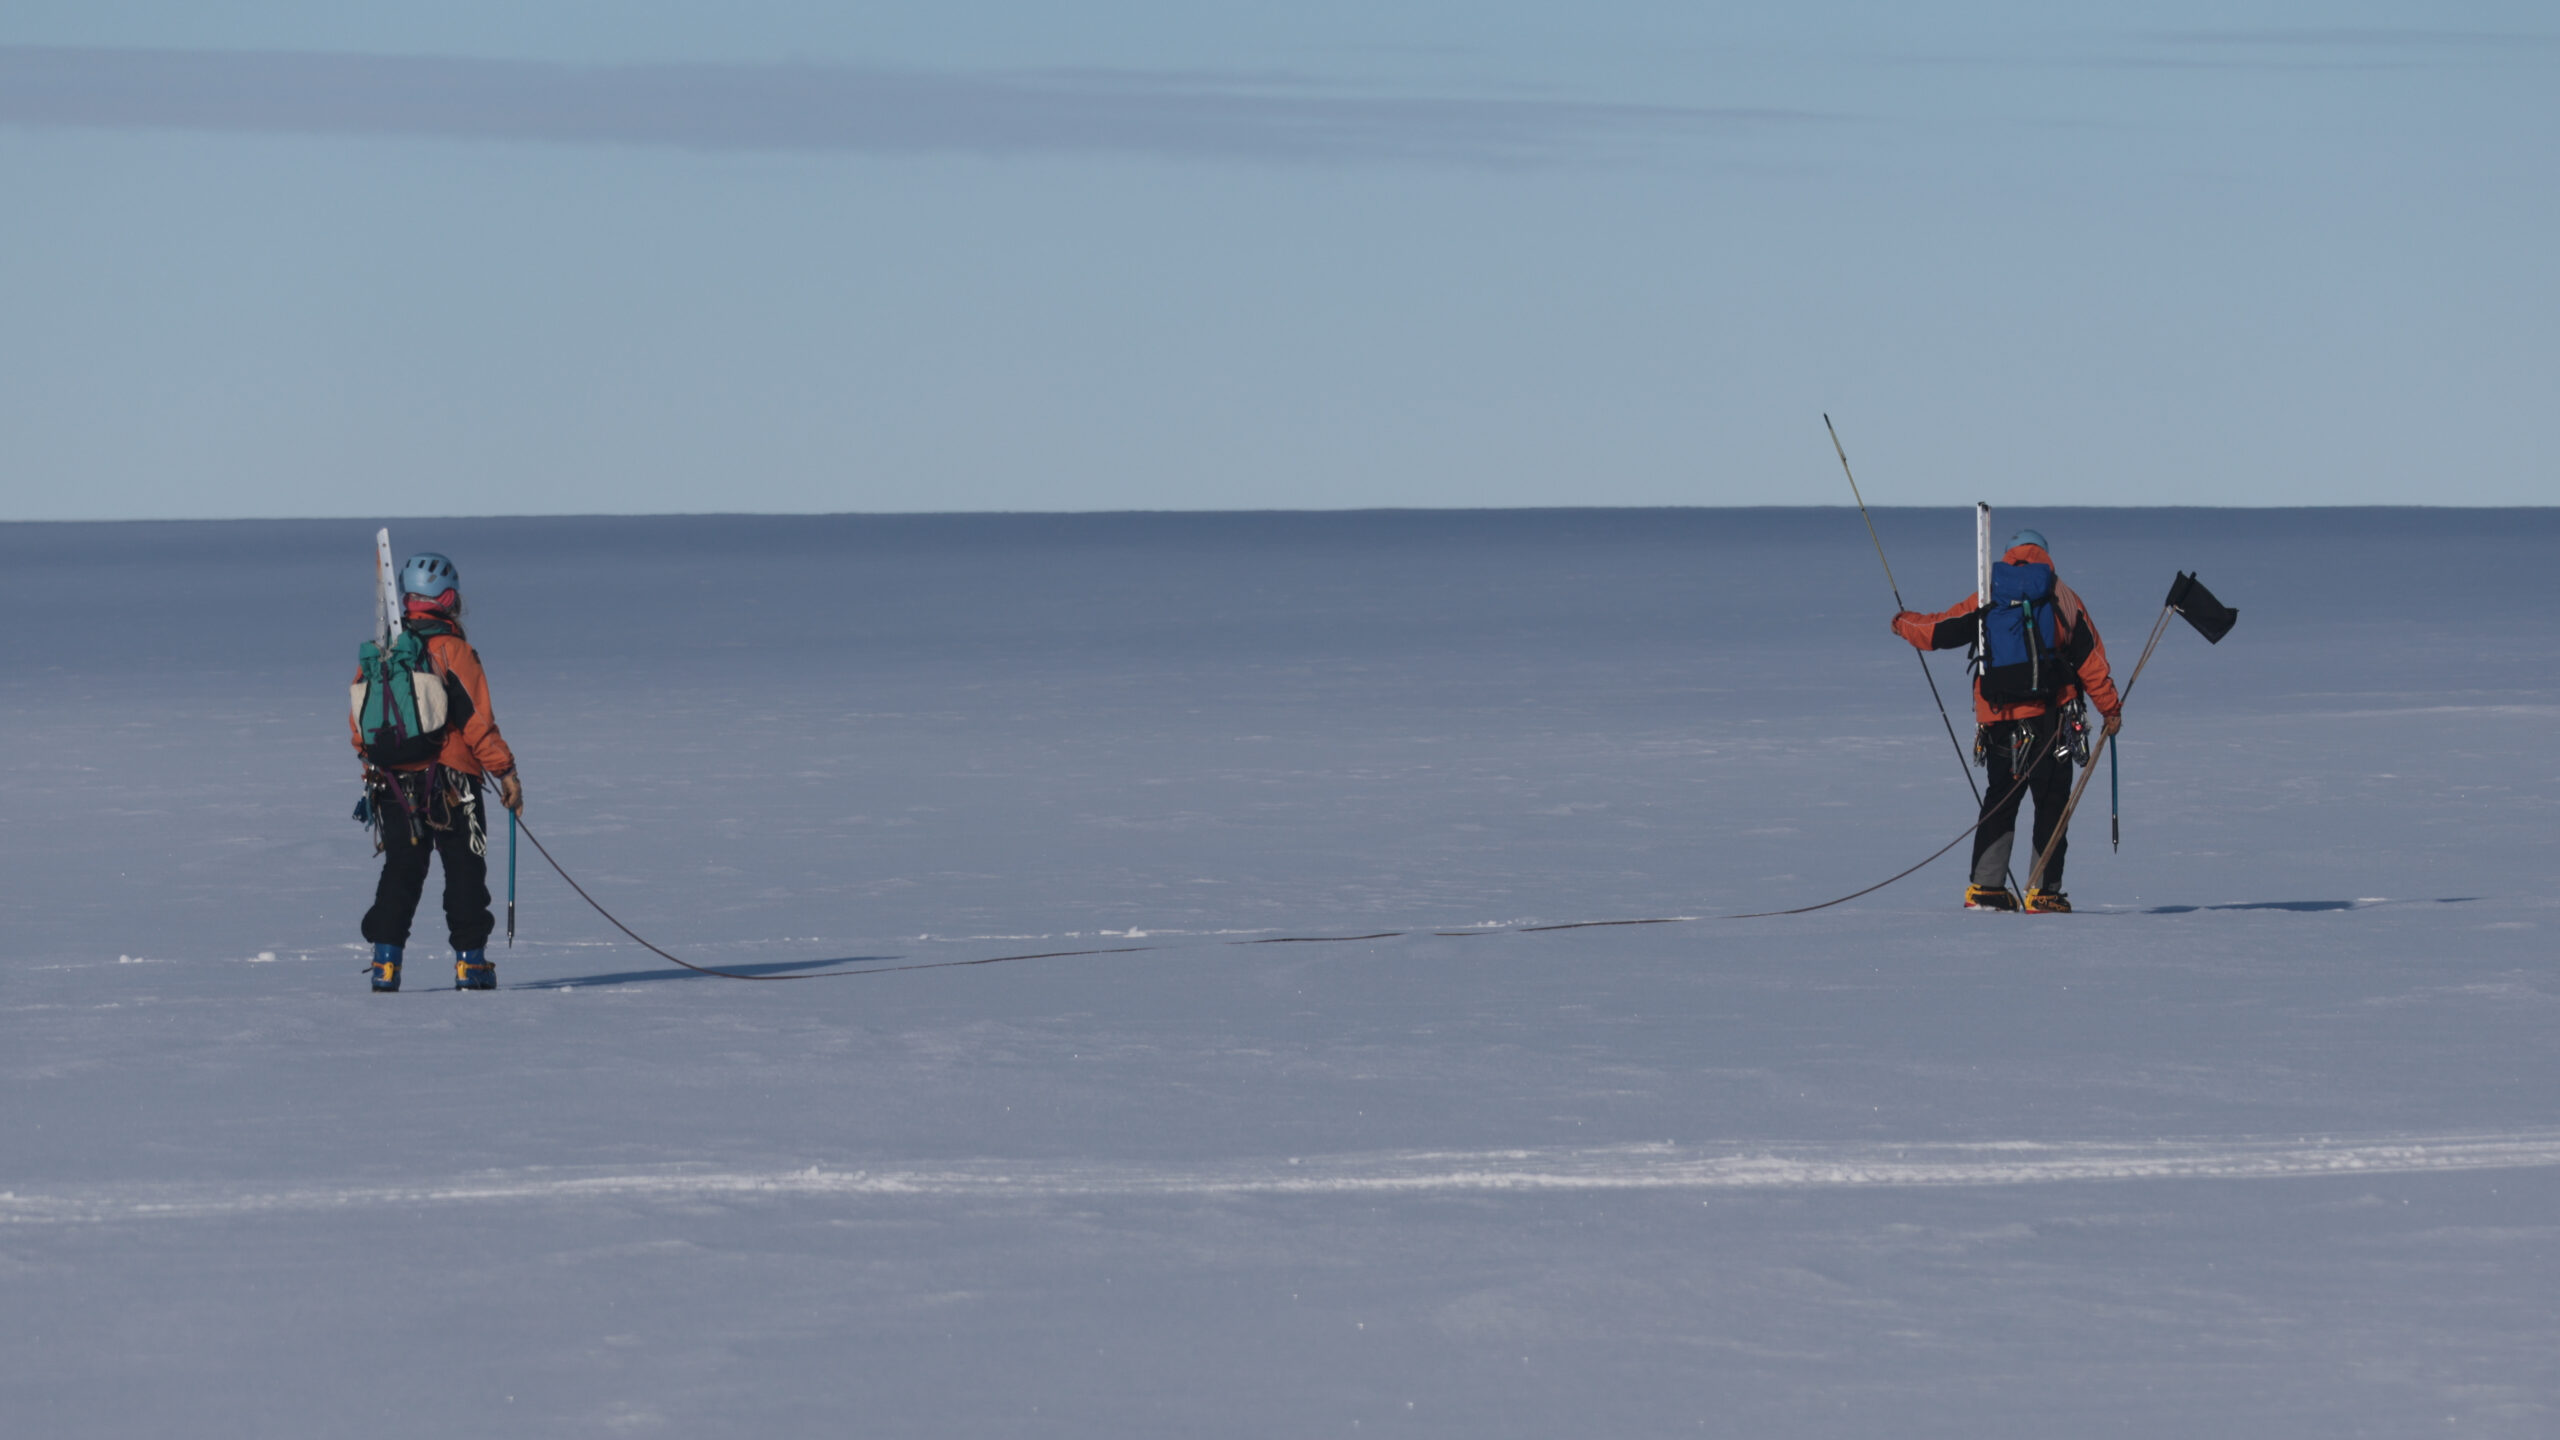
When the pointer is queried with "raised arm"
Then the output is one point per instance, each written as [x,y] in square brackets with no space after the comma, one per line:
[1950,629]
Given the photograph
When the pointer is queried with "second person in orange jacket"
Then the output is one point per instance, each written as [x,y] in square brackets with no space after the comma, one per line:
[433,808]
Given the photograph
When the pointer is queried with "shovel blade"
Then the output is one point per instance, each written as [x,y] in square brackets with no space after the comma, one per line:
[2211,617]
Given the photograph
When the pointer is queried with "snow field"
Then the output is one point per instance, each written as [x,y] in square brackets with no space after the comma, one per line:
[2260,1143]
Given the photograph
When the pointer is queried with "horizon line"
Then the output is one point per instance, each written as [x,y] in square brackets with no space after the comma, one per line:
[1240,511]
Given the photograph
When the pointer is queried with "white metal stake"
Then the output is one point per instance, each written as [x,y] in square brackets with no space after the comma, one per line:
[1982,574]
[386,591]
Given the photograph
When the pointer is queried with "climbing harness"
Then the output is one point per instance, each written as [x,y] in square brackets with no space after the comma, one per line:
[436,798]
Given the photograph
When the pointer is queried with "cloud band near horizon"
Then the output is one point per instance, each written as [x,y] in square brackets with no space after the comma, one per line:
[814,108]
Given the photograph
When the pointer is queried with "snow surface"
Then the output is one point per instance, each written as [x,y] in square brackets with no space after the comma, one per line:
[2263,1142]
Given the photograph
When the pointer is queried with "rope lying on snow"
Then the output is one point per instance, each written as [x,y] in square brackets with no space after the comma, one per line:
[2044,753]
[644,943]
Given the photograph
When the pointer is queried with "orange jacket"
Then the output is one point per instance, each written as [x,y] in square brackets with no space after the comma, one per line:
[472,743]
[2077,634]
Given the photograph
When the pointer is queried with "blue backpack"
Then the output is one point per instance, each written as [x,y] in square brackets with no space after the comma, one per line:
[2022,660]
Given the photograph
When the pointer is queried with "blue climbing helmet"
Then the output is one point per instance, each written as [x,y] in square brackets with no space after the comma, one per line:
[2023,537]
[432,576]
[431,585]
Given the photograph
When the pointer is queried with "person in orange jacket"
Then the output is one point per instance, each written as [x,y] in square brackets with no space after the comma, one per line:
[434,807]
[2044,654]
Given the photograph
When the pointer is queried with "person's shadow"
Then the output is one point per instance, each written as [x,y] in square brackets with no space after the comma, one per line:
[2308,907]
[671,972]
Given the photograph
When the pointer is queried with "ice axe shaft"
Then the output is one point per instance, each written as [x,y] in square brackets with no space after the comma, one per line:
[511,879]
[2115,802]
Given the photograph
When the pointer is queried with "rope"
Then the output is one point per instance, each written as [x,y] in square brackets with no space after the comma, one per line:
[643,943]
[2043,754]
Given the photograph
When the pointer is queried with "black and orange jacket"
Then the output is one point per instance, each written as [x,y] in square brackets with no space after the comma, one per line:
[1955,627]
[472,743]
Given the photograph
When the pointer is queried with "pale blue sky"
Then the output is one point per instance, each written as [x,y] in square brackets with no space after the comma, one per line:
[342,259]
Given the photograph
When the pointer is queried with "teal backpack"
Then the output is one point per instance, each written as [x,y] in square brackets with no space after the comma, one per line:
[399,702]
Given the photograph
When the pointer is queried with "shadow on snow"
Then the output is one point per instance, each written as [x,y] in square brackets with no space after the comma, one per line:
[2307,907]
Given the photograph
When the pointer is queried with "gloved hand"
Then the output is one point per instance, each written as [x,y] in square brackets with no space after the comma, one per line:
[2114,723]
[511,792]
[1895,624]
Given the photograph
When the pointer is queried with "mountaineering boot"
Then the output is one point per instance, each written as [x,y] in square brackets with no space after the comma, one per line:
[473,970]
[1988,897]
[386,968]
[2048,902]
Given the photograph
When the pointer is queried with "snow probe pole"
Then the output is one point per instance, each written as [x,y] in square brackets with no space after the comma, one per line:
[1890,584]
[511,879]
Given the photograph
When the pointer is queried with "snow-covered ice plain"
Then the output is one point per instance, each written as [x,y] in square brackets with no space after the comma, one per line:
[2263,1142]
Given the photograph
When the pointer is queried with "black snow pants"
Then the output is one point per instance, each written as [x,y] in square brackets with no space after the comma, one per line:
[406,848]
[2008,749]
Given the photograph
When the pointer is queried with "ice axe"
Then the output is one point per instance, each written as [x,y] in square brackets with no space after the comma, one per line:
[2212,619]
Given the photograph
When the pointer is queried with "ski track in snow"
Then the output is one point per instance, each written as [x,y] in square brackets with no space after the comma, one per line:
[1626,1167]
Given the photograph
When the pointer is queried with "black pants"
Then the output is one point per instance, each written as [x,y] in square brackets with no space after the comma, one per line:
[404,878]
[2010,749]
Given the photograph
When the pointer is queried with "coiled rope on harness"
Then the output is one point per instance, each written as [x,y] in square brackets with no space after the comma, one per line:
[2044,754]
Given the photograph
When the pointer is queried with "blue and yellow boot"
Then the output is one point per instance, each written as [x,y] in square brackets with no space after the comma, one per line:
[386,968]
[473,970]
[1988,897]
[2048,902]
